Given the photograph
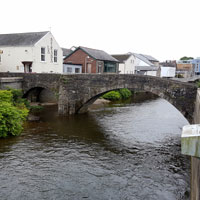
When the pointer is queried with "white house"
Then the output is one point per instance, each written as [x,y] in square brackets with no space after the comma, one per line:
[132,63]
[36,52]
[126,63]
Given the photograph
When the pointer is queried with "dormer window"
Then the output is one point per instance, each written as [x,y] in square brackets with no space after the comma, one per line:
[43,54]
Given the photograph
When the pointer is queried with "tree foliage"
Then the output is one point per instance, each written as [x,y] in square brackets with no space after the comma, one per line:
[112,95]
[6,96]
[186,58]
[118,94]
[125,93]
[12,113]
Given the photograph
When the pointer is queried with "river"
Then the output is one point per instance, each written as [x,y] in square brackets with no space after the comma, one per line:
[124,151]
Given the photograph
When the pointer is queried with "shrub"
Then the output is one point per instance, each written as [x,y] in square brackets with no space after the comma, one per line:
[11,118]
[117,95]
[125,93]
[12,112]
[112,95]
[6,96]
[17,94]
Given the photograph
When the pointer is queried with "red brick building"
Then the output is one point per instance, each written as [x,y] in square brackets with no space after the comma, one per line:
[91,61]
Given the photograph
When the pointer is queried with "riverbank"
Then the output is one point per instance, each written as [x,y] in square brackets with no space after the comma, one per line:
[99,103]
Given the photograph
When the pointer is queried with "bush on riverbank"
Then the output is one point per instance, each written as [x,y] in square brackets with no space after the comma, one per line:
[118,94]
[12,112]
[125,93]
[112,96]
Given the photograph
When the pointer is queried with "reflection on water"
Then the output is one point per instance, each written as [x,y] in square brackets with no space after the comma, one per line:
[127,152]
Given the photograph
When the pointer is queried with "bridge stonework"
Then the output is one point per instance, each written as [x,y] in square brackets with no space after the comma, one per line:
[76,92]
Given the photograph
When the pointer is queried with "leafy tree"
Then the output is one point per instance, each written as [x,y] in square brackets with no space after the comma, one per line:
[186,58]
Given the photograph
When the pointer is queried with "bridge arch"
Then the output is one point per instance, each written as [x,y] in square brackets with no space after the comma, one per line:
[76,99]
[160,94]
[40,94]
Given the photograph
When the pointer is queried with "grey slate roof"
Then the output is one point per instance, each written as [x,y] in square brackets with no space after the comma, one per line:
[21,39]
[150,58]
[121,57]
[143,58]
[98,54]
[66,52]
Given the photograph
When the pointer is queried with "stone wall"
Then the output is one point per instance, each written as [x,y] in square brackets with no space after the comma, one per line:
[11,82]
[195,161]
[79,91]
[197,108]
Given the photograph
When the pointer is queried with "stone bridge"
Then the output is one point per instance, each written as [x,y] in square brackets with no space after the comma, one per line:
[77,91]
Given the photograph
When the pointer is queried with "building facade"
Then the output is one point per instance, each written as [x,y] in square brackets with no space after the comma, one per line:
[91,61]
[196,63]
[36,52]
[185,68]
[126,63]
[132,63]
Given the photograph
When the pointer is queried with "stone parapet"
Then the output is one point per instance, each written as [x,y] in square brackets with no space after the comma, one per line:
[190,145]
[190,140]
[11,82]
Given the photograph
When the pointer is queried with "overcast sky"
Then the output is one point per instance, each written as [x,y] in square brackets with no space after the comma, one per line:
[165,29]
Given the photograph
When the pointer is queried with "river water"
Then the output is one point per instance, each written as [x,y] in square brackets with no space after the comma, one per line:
[121,152]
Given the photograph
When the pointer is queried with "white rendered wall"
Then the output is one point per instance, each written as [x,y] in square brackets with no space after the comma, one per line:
[121,68]
[12,57]
[48,65]
[128,67]
[168,72]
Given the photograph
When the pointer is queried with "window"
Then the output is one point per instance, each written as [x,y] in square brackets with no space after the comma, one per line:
[77,70]
[110,67]
[69,70]
[55,57]
[42,53]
